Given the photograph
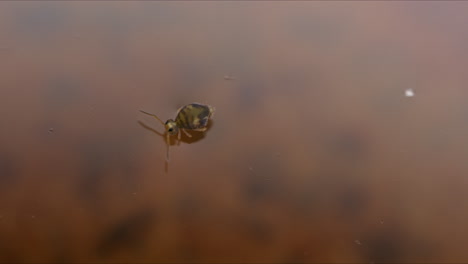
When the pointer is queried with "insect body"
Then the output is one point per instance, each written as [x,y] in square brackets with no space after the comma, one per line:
[193,117]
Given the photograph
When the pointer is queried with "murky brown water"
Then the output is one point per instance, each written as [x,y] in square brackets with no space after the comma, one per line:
[315,154]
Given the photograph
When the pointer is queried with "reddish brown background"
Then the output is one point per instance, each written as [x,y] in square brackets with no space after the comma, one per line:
[314,155]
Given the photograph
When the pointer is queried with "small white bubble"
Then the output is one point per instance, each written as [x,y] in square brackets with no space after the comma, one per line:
[409,93]
[357,242]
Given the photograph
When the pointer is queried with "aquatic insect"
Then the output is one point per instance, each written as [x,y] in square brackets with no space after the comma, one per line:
[193,117]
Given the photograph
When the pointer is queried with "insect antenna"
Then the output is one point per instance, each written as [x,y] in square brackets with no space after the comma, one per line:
[153,115]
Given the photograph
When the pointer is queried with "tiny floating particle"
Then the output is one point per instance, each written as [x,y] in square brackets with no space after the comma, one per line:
[51,130]
[357,242]
[228,78]
[409,93]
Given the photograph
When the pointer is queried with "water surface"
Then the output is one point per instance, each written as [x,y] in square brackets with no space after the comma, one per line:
[315,153]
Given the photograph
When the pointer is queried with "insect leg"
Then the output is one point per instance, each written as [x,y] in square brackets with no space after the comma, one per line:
[168,142]
[178,137]
[186,133]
